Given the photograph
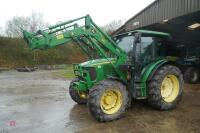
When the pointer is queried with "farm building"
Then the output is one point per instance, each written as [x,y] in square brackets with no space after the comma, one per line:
[180,18]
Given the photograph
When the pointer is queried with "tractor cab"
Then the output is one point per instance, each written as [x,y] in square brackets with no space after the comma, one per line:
[143,47]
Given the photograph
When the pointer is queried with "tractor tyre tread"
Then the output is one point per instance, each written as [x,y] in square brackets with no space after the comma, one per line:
[95,94]
[74,94]
[154,94]
[187,75]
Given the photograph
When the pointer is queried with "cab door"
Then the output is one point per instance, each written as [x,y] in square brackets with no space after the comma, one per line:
[144,55]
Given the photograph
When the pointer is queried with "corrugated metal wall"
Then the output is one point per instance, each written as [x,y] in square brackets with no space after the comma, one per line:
[159,11]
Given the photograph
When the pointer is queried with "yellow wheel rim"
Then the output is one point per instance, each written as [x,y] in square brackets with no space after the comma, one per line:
[170,88]
[82,95]
[111,101]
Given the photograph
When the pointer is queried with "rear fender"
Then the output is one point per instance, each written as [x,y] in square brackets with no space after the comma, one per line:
[147,74]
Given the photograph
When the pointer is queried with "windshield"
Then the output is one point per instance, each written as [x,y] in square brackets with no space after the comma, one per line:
[125,43]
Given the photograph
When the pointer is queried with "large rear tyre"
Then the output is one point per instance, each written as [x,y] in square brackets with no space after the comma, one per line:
[77,96]
[165,89]
[108,100]
[191,75]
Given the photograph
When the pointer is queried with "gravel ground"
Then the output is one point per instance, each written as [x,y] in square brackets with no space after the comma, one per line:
[38,102]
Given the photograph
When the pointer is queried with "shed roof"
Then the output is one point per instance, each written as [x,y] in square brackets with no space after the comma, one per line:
[179,18]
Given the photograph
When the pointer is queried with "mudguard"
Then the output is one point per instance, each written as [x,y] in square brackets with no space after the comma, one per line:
[148,72]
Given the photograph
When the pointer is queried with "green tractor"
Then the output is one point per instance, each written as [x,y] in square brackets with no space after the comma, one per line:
[128,66]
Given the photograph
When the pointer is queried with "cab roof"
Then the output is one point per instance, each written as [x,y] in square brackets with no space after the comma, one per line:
[147,32]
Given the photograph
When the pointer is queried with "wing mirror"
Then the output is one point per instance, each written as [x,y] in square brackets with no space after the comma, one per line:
[137,38]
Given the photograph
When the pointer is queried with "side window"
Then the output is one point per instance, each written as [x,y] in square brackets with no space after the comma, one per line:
[161,48]
[126,43]
[147,46]
[144,50]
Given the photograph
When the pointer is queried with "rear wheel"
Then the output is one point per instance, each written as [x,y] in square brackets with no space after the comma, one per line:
[165,89]
[79,97]
[191,75]
[108,100]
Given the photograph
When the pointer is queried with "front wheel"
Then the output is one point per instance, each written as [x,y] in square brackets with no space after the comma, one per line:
[77,96]
[108,100]
[165,89]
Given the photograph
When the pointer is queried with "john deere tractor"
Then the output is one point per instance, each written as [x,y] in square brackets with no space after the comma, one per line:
[128,66]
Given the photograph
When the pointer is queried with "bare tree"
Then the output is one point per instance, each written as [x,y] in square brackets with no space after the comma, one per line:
[31,23]
[13,26]
[36,22]
[113,25]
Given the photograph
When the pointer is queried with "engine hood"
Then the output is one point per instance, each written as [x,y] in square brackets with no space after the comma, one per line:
[97,62]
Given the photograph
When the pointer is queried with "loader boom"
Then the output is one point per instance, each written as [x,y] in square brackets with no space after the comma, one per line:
[89,37]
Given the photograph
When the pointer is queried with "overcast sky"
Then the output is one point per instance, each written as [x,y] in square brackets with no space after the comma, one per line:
[102,11]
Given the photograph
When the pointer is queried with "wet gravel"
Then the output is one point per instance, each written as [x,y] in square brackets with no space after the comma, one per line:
[38,102]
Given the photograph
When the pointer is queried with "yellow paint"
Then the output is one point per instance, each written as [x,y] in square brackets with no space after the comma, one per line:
[170,88]
[111,101]
[60,36]
[172,58]
[82,95]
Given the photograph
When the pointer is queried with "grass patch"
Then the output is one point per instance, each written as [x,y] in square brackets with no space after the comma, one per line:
[14,52]
[67,72]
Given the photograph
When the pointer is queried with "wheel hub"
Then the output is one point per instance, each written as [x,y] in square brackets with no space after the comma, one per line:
[111,101]
[169,88]
[83,95]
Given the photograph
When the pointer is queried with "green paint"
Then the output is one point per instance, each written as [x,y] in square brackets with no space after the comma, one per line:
[97,62]
[147,32]
[104,53]
[147,72]
[102,67]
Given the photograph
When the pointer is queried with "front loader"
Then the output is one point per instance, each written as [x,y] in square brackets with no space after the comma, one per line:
[127,67]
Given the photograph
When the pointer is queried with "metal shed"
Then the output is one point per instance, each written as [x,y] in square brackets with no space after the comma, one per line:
[180,18]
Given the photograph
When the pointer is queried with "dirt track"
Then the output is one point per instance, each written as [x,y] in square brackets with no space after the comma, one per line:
[38,102]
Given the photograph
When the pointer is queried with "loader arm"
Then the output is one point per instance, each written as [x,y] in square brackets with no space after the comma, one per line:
[89,37]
